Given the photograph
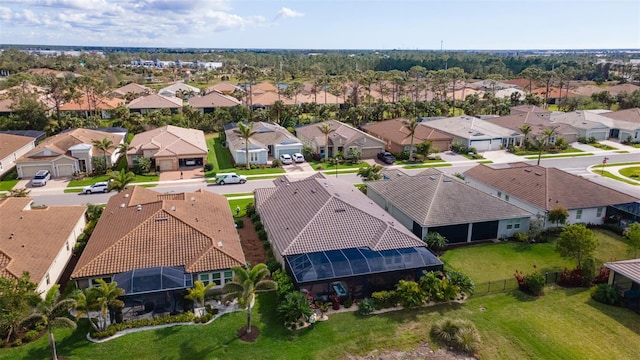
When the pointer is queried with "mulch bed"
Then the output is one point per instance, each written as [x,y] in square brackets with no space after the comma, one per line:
[254,253]
[248,337]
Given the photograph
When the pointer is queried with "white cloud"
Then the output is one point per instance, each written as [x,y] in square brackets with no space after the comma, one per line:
[287,13]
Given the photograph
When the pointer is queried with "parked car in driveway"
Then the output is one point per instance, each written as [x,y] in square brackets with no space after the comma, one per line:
[298,158]
[41,178]
[386,157]
[230,178]
[99,187]
[286,159]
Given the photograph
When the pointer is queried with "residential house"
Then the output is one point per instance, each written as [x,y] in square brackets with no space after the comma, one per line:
[224,88]
[615,90]
[180,90]
[169,148]
[86,106]
[475,133]
[332,239]
[630,119]
[434,202]
[599,126]
[69,152]
[13,147]
[538,122]
[269,141]
[508,92]
[588,90]
[554,95]
[38,240]
[625,276]
[264,100]
[155,245]
[131,91]
[397,138]
[523,109]
[540,190]
[208,103]
[342,139]
[155,102]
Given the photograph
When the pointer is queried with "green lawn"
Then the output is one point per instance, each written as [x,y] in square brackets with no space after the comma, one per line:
[619,164]
[631,172]
[500,261]
[218,155]
[328,166]
[238,194]
[512,326]
[9,181]
[239,202]
[90,180]
[568,150]
[427,165]
[602,146]
[573,154]
[611,175]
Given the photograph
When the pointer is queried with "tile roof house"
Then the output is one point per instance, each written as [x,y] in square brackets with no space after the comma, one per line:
[475,133]
[434,202]
[588,90]
[521,109]
[179,89]
[325,231]
[554,95]
[37,240]
[269,141]
[626,87]
[629,115]
[150,242]
[86,106]
[155,102]
[133,90]
[599,126]
[68,152]
[208,103]
[169,148]
[396,135]
[342,139]
[13,147]
[224,88]
[625,277]
[538,122]
[539,190]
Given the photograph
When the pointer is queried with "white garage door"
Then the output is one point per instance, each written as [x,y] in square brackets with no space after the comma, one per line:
[371,153]
[166,165]
[599,135]
[29,171]
[65,170]
[482,145]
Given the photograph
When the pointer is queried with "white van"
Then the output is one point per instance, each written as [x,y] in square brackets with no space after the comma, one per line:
[230,178]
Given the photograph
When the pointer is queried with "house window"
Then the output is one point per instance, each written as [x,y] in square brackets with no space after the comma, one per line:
[253,157]
[67,246]
[513,224]
[219,277]
[599,214]
[46,278]
[506,197]
[93,282]
[579,214]
[499,194]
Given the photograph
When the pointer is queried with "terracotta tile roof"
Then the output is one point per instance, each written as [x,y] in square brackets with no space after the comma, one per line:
[223,87]
[30,239]
[12,143]
[83,104]
[554,92]
[628,268]
[132,88]
[60,143]
[547,188]
[171,140]
[213,99]
[522,83]
[629,115]
[435,199]
[395,131]
[269,98]
[155,101]
[317,214]
[264,86]
[141,228]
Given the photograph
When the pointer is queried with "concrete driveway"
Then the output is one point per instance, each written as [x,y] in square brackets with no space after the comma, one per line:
[56,184]
[184,174]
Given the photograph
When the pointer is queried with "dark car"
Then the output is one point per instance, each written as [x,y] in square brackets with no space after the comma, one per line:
[386,157]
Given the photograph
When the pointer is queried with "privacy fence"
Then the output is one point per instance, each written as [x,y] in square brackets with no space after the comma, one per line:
[504,285]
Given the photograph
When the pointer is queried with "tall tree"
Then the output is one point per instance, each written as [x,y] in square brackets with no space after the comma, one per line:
[525,129]
[18,296]
[104,145]
[411,126]
[417,73]
[326,129]
[558,216]
[198,292]
[245,132]
[547,78]
[632,238]
[250,74]
[533,74]
[455,74]
[246,283]
[576,241]
[119,180]
[106,297]
[544,141]
[53,313]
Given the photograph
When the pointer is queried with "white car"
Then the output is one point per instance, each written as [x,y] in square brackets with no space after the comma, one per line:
[230,178]
[286,159]
[99,187]
[298,158]
[41,178]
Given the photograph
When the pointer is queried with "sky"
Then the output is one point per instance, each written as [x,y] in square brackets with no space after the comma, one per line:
[325,24]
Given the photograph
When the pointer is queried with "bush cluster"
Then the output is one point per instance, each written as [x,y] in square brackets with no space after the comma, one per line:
[459,334]
[606,294]
[134,324]
[31,335]
[366,306]
[531,283]
[208,167]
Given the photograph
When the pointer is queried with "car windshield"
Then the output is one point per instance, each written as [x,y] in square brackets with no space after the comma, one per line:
[41,176]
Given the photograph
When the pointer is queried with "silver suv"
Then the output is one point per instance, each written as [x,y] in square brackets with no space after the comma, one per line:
[41,178]
[102,187]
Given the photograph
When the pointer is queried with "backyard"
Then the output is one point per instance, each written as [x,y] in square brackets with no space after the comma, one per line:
[222,161]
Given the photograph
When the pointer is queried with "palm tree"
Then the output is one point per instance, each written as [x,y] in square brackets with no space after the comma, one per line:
[370,172]
[52,313]
[120,179]
[245,132]
[105,145]
[244,286]
[525,129]
[106,297]
[124,147]
[198,291]
[85,304]
[411,125]
[326,129]
[19,192]
[544,141]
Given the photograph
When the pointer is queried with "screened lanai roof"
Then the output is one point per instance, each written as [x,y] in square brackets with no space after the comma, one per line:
[333,264]
[153,279]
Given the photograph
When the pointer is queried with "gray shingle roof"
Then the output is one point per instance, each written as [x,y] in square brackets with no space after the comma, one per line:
[317,214]
[628,268]
[434,199]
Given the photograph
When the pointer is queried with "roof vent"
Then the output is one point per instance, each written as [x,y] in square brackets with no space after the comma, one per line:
[539,174]
[122,205]
[193,198]
[126,195]
[432,178]
[197,219]
[313,190]
[340,210]
[162,218]
[220,244]
[21,217]
[336,194]
[527,170]
[138,207]
[446,179]
[173,208]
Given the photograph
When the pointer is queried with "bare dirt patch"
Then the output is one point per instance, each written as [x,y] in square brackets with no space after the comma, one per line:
[254,253]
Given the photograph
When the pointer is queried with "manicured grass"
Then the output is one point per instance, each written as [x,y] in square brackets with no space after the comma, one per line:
[610,175]
[239,202]
[603,146]
[406,162]
[238,194]
[567,155]
[631,172]
[264,171]
[500,261]
[562,324]
[90,180]
[427,166]
[6,185]
[343,165]
[218,155]
[620,164]
[568,150]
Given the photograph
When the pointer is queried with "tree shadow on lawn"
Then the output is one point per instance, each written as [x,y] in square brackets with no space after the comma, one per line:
[190,349]
[64,346]
[623,315]
[522,296]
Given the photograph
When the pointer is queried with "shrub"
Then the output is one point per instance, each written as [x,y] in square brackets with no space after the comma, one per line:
[272,263]
[239,223]
[275,163]
[459,334]
[17,342]
[348,302]
[606,294]
[142,166]
[366,306]
[462,281]
[31,335]
[570,278]
[285,284]
[531,283]
[293,308]
[255,217]
[258,226]
[410,294]
[521,236]
[262,235]
[435,241]
[250,210]
[384,299]
[208,167]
